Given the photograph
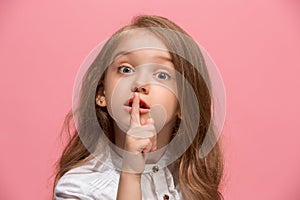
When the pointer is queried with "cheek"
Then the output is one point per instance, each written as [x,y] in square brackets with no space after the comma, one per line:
[166,98]
[171,104]
[116,93]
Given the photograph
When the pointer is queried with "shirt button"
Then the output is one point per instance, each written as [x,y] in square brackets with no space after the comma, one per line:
[155,168]
[166,197]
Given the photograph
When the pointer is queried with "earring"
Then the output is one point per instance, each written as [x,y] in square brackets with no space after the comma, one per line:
[100,100]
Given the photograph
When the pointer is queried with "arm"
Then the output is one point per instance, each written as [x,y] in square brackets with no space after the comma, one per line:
[129,186]
[133,160]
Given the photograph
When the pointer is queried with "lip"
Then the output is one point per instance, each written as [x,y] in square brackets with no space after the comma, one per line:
[143,104]
[141,110]
[145,107]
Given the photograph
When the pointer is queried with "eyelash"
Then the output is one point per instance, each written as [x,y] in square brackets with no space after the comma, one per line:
[124,67]
[120,68]
[164,73]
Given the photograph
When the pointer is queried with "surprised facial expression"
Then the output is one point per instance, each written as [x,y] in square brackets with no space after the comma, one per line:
[143,64]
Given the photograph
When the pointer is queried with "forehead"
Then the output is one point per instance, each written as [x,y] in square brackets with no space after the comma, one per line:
[141,47]
[138,39]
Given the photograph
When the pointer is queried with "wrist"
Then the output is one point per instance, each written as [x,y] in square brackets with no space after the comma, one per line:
[136,176]
[133,163]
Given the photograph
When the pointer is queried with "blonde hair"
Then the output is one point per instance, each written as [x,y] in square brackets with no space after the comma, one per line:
[199,178]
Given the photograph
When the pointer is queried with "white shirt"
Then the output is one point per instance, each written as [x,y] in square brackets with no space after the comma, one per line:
[99,181]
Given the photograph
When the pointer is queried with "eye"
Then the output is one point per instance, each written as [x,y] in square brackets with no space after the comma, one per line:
[162,75]
[125,69]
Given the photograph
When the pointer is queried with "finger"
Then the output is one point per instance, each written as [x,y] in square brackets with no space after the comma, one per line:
[141,145]
[135,111]
[148,146]
[141,131]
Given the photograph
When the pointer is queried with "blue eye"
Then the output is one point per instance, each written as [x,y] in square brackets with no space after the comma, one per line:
[125,69]
[162,75]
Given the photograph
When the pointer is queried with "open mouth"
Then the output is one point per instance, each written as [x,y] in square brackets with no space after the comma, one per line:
[143,104]
[144,107]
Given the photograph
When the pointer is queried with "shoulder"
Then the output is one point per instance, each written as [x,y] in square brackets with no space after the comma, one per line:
[88,181]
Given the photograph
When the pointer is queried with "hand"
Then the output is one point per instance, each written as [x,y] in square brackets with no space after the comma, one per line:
[140,139]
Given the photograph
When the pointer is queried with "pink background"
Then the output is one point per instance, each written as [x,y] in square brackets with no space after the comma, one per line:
[256,45]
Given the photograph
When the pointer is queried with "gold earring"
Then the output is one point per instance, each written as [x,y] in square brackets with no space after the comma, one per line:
[100,100]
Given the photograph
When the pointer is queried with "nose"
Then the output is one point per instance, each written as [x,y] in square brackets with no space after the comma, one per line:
[144,89]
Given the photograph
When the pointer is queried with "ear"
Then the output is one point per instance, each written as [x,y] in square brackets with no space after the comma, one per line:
[178,111]
[179,115]
[100,101]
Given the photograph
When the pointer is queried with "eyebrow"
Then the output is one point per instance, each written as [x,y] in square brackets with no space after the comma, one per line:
[123,53]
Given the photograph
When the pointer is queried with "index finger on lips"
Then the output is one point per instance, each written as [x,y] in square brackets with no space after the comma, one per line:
[135,111]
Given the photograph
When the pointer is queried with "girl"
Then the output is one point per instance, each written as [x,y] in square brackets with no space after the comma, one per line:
[143,113]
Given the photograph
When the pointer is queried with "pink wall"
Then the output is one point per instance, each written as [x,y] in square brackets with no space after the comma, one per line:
[255,44]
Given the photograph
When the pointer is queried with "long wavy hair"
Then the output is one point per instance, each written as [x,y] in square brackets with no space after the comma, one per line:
[199,177]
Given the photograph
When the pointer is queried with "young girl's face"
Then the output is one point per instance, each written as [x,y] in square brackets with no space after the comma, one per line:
[143,64]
